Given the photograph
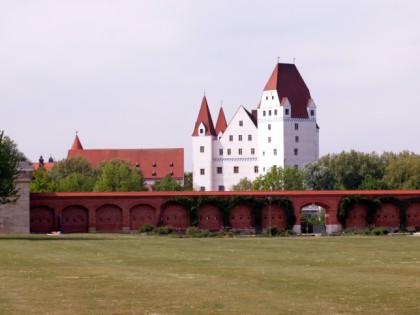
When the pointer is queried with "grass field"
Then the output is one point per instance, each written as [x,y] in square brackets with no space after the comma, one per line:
[134,274]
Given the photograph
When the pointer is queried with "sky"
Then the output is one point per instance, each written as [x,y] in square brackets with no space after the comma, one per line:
[132,73]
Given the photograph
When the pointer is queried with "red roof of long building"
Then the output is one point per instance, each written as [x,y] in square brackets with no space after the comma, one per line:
[288,82]
[153,163]
[204,117]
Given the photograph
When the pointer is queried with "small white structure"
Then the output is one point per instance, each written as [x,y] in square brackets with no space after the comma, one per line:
[282,131]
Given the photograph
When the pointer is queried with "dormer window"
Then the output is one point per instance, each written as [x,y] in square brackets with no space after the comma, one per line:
[201,131]
[154,164]
[154,173]
[171,172]
[286,111]
[171,163]
[137,164]
[312,112]
[241,123]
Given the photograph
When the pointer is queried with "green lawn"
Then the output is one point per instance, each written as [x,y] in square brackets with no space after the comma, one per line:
[134,274]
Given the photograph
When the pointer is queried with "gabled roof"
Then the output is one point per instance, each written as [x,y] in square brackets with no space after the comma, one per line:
[221,121]
[204,117]
[153,163]
[77,145]
[287,81]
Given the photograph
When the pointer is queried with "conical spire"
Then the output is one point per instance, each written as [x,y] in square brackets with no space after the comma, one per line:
[287,81]
[77,145]
[204,117]
[221,124]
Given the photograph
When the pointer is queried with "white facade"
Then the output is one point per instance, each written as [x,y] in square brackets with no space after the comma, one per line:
[281,132]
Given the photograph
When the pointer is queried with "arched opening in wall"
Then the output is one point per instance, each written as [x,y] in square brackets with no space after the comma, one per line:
[312,219]
[175,215]
[210,218]
[241,218]
[388,216]
[141,215]
[108,219]
[413,217]
[75,219]
[41,219]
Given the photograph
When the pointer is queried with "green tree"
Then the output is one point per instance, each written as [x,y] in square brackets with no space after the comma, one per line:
[403,171]
[10,156]
[76,182]
[167,184]
[317,177]
[244,184]
[188,181]
[277,178]
[118,175]
[42,181]
[69,166]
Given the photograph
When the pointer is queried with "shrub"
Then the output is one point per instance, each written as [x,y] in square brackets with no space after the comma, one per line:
[163,230]
[146,228]
[193,231]
[380,231]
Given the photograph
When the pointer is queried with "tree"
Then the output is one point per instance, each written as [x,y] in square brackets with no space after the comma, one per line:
[66,167]
[188,181]
[42,181]
[10,156]
[118,175]
[277,178]
[243,185]
[317,177]
[167,184]
[403,171]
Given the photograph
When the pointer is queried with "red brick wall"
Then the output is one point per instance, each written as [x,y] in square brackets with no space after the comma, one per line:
[210,218]
[413,215]
[241,217]
[175,215]
[75,219]
[140,215]
[42,219]
[108,219]
[356,218]
[388,215]
[278,217]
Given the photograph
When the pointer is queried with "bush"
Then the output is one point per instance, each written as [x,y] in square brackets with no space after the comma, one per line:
[146,228]
[275,231]
[193,231]
[380,231]
[163,230]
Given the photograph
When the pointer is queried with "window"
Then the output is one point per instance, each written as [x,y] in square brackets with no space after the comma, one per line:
[230,138]
[202,188]
[312,112]
[286,111]
[241,123]
[263,112]
[202,172]
[202,149]
[269,139]
[266,98]
[272,97]
[263,153]
[228,151]
[240,137]
[296,139]
[295,151]
[220,151]
[275,151]
[221,188]
[240,151]
[296,166]
[296,126]
[252,151]
[256,169]
[201,131]
[236,169]
[249,137]
[219,170]
[269,112]
[269,126]
[275,112]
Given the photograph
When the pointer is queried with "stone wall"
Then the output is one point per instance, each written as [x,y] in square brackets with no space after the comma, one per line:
[14,218]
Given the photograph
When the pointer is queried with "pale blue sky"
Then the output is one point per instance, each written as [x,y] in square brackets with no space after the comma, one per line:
[131,74]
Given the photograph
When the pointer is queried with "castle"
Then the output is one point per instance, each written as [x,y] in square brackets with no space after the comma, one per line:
[282,131]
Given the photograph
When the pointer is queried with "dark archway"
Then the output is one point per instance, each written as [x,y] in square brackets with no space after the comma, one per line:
[108,219]
[140,215]
[41,219]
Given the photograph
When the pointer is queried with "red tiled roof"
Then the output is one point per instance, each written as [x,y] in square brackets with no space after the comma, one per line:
[221,124]
[154,163]
[48,165]
[287,81]
[77,145]
[204,117]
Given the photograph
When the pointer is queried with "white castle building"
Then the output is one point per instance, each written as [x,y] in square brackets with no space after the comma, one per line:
[282,131]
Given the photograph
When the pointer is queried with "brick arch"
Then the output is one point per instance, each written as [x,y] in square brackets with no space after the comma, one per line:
[413,216]
[387,215]
[175,215]
[42,219]
[210,218]
[278,216]
[142,214]
[108,218]
[356,217]
[75,219]
[241,217]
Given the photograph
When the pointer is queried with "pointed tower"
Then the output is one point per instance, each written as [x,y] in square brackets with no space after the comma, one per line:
[77,145]
[202,146]
[221,124]
[287,129]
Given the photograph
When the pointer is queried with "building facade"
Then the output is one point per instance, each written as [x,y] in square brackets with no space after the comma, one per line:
[281,131]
